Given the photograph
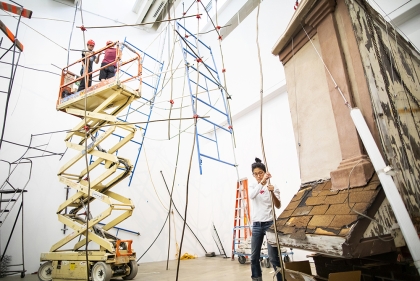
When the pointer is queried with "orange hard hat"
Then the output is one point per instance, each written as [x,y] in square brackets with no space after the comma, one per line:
[109,42]
[91,42]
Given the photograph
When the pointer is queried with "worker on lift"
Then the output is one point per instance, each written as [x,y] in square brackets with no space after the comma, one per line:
[90,46]
[110,56]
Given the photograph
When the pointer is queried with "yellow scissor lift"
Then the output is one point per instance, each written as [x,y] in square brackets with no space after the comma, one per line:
[98,107]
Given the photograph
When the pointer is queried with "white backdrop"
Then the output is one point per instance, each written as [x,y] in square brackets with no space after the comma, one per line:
[211,195]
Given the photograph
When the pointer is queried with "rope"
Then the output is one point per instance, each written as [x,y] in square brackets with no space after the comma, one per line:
[71,33]
[39,18]
[137,24]
[191,155]
[325,66]
[38,33]
[361,214]
[125,123]
[31,68]
[151,180]
[273,210]
[88,215]
[173,180]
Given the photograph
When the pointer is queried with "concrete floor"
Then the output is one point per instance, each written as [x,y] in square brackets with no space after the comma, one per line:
[200,269]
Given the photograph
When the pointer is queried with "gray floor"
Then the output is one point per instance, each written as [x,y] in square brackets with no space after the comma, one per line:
[200,269]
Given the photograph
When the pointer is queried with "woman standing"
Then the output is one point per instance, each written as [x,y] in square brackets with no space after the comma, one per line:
[261,195]
[110,57]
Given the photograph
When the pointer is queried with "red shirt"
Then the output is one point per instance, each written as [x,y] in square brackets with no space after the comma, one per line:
[110,55]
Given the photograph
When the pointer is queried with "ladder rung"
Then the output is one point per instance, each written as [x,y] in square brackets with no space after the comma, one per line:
[7,200]
[6,211]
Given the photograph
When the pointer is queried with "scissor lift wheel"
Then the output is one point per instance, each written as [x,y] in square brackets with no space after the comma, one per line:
[45,271]
[101,272]
[241,259]
[133,270]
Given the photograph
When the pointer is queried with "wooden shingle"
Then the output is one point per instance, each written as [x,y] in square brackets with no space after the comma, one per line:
[301,211]
[286,214]
[361,207]
[298,195]
[336,199]
[321,220]
[339,209]
[343,220]
[327,231]
[363,196]
[312,201]
[299,222]
[292,205]
[319,210]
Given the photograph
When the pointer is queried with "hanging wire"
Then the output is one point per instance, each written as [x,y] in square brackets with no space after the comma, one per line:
[273,210]
[192,149]
[137,24]
[46,37]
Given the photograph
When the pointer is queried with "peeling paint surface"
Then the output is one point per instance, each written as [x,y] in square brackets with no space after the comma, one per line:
[392,69]
[386,218]
[331,245]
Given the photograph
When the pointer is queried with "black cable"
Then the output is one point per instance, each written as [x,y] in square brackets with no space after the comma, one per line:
[31,147]
[186,199]
[155,238]
[125,123]
[9,90]
[180,213]
[31,68]
[71,32]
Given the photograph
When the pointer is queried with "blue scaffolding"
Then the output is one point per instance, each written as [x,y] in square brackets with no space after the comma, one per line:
[207,95]
[141,110]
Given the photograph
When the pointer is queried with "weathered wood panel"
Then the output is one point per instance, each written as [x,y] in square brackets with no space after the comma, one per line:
[392,69]
[387,225]
[331,245]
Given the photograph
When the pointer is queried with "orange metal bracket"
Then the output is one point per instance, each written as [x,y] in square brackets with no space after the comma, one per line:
[129,251]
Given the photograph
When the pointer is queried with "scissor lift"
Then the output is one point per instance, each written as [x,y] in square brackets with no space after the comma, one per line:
[98,107]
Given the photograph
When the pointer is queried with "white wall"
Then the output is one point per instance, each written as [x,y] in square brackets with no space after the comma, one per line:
[211,195]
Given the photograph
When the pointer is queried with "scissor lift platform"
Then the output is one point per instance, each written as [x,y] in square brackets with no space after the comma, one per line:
[96,95]
[98,107]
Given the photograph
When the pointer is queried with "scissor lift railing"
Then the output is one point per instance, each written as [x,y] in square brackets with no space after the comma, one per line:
[208,96]
[98,106]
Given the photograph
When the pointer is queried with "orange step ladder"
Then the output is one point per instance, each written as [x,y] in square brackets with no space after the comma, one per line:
[241,220]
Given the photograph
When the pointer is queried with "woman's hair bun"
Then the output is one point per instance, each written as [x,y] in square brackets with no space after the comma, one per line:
[257,160]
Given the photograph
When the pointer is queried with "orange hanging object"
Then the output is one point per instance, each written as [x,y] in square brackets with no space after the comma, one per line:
[16,10]
[11,36]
